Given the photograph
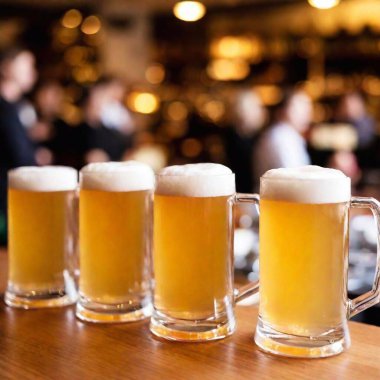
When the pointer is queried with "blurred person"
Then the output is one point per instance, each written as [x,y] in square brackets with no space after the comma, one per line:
[104,141]
[347,163]
[283,144]
[114,114]
[17,77]
[249,116]
[351,109]
[59,142]
[47,98]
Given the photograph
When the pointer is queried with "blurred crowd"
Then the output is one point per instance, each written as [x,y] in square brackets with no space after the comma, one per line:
[33,130]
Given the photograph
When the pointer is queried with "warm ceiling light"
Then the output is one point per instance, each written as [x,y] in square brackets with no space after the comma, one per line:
[324,4]
[189,10]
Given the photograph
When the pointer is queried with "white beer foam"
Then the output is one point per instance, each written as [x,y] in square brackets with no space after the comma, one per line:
[306,184]
[196,180]
[43,178]
[117,176]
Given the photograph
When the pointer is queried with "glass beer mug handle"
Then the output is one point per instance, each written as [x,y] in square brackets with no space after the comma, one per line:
[253,287]
[371,297]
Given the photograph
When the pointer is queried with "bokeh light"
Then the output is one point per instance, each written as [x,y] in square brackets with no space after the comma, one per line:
[213,110]
[191,147]
[189,10]
[239,47]
[371,85]
[324,4]
[71,114]
[338,137]
[153,155]
[91,25]
[269,94]
[314,87]
[67,36]
[228,69]
[335,85]
[71,19]
[143,102]
[177,111]
[155,73]
[86,73]
[75,55]
[175,130]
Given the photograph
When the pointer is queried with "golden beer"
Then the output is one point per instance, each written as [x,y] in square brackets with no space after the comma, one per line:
[38,226]
[192,257]
[115,222]
[303,262]
[41,237]
[113,245]
[303,252]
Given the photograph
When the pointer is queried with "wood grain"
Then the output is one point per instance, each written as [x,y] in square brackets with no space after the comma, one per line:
[53,344]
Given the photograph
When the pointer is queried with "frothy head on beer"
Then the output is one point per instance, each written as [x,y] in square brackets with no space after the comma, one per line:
[306,184]
[117,176]
[196,180]
[44,178]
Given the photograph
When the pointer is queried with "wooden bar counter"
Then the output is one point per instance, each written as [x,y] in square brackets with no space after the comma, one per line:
[53,344]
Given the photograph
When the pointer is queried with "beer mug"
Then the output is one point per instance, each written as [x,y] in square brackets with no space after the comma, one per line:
[194,295]
[115,217]
[42,240]
[304,215]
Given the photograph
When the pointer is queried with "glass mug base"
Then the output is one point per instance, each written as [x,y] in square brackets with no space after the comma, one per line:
[39,299]
[191,331]
[100,313]
[275,342]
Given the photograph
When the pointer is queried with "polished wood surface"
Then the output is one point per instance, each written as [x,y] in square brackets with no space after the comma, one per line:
[53,344]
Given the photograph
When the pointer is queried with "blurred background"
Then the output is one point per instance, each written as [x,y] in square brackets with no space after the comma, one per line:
[251,84]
